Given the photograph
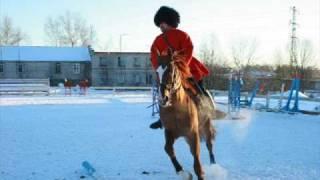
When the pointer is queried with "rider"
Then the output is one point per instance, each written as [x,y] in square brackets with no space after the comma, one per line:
[167,19]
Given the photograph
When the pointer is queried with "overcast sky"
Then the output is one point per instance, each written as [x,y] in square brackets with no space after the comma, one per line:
[224,21]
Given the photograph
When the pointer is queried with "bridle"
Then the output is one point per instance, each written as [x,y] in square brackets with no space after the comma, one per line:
[172,87]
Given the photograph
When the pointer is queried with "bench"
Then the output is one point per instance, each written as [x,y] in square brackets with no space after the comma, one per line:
[24,86]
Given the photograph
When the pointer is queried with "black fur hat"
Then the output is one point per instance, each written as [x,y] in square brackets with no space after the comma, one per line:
[168,15]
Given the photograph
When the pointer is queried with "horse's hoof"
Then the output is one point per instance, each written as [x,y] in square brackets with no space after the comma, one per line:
[185,175]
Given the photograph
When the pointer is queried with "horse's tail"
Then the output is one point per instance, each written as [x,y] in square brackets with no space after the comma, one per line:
[219,114]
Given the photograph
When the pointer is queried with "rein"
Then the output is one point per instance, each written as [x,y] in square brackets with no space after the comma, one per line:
[174,86]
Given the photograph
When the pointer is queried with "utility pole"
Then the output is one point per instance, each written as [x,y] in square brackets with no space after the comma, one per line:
[120,43]
[293,48]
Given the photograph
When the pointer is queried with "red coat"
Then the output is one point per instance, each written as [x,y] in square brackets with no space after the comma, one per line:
[181,42]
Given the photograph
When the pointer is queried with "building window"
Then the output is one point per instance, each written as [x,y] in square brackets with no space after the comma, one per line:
[121,78]
[120,62]
[136,62]
[149,78]
[103,61]
[137,79]
[1,67]
[20,68]
[104,78]
[76,68]
[58,68]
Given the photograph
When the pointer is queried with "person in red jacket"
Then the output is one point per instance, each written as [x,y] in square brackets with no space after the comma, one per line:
[168,19]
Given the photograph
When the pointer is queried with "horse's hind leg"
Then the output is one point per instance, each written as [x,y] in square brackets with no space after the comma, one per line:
[194,143]
[170,151]
[210,136]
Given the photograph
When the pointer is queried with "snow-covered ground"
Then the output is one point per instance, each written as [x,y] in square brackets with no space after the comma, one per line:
[48,137]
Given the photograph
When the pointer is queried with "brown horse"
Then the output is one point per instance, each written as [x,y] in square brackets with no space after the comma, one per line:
[83,85]
[184,114]
[67,87]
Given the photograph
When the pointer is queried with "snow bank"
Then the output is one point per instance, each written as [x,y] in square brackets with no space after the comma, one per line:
[14,101]
[287,93]
[57,96]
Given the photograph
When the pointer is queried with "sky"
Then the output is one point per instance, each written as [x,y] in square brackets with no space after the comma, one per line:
[217,23]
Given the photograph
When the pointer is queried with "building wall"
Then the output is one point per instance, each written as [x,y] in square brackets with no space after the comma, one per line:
[67,72]
[43,70]
[317,85]
[122,69]
[105,69]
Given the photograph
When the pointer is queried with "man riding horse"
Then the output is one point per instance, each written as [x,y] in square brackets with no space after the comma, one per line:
[173,41]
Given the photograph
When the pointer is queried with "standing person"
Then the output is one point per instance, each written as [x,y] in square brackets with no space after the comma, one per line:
[168,19]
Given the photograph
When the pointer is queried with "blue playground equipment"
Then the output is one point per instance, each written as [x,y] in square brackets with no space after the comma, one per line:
[234,93]
[292,105]
[293,96]
[235,101]
[248,103]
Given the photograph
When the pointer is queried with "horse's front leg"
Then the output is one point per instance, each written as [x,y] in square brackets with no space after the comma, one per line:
[194,143]
[170,151]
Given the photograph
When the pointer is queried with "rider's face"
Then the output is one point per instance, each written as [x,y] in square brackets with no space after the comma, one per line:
[164,27]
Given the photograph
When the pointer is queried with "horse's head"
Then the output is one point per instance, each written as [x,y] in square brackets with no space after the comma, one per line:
[170,82]
[173,74]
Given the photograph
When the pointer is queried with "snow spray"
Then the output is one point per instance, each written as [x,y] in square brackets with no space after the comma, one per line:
[215,172]
[240,128]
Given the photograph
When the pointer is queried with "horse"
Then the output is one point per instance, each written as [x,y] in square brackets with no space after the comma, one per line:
[183,113]
[83,85]
[67,87]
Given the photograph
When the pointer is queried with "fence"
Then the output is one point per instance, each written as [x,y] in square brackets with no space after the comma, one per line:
[24,86]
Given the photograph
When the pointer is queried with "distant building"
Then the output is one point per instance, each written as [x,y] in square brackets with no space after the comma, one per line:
[263,74]
[314,84]
[55,63]
[122,69]
[75,64]
[317,85]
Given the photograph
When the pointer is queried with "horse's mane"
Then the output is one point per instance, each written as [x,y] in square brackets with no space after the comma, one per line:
[184,70]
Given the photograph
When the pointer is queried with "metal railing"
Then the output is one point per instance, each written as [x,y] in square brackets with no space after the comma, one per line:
[24,86]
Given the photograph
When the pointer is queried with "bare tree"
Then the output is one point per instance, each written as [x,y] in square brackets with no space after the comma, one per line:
[210,50]
[212,56]
[304,66]
[70,30]
[207,54]
[305,53]
[10,35]
[243,53]
[53,31]
[278,58]
[305,56]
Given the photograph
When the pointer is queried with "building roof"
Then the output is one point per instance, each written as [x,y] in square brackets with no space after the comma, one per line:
[44,53]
